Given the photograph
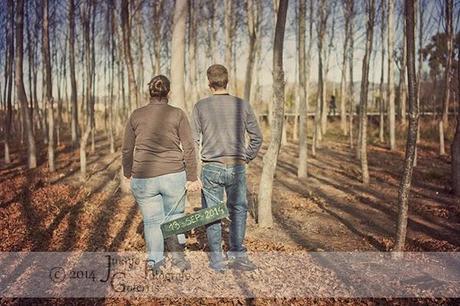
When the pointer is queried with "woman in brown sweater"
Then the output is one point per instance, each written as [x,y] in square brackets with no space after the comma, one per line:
[158,155]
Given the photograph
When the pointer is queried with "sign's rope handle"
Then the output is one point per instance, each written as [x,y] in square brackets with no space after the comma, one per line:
[175,205]
[210,195]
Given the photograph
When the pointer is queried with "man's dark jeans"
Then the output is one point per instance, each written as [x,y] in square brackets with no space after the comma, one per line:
[216,178]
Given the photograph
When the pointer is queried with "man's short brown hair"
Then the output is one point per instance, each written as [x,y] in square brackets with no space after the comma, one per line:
[217,76]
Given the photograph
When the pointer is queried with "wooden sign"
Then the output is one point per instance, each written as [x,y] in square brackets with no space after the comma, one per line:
[191,221]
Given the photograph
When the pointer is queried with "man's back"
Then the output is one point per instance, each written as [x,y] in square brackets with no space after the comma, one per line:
[222,120]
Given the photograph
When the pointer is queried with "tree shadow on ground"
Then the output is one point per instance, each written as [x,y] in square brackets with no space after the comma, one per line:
[124,230]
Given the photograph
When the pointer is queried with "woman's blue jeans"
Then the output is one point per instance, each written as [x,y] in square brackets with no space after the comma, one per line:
[156,196]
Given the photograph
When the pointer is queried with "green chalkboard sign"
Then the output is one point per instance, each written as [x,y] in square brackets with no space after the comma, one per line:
[191,221]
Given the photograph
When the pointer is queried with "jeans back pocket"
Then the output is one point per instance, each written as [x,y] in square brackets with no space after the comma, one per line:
[211,175]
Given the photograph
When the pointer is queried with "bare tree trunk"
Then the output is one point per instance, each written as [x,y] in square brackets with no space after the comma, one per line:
[178,55]
[5,73]
[62,76]
[157,13]
[382,77]
[350,12]
[38,112]
[255,84]
[126,35]
[229,33]
[294,108]
[9,83]
[83,143]
[370,8]
[83,81]
[20,91]
[140,49]
[270,159]
[253,26]
[124,104]
[317,133]
[455,146]
[296,89]
[343,80]
[303,103]
[390,83]
[112,46]
[455,151]
[66,91]
[30,55]
[343,90]
[420,10]
[443,122]
[86,21]
[48,85]
[324,105]
[211,31]
[193,47]
[404,188]
[93,79]
[73,81]
[402,87]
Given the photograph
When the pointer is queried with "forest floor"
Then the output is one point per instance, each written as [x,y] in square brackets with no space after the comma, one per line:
[328,211]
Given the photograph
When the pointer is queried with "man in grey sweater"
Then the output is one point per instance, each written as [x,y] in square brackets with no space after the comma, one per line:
[220,124]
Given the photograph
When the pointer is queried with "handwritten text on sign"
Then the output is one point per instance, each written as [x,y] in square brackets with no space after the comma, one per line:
[191,221]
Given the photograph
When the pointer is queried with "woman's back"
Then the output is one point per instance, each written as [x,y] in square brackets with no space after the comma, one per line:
[157,132]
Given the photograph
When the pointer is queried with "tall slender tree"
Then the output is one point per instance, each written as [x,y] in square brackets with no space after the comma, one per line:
[157,14]
[86,23]
[402,85]
[420,9]
[93,76]
[265,217]
[302,167]
[139,45]
[351,13]
[111,26]
[178,55]
[9,52]
[31,56]
[443,121]
[20,91]
[455,146]
[126,35]
[343,79]
[330,10]
[370,10]
[404,187]
[211,54]
[390,82]
[229,24]
[382,75]
[323,15]
[48,83]
[253,30]
[73,81]
[193,48]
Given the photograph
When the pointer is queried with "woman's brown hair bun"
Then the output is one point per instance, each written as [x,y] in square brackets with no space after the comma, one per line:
[159,86]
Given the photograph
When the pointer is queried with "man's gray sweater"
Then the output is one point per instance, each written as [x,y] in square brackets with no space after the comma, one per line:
[222,121]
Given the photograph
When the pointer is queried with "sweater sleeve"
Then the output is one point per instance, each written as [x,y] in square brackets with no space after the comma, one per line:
[186,139]
[129,141]
[255,135]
